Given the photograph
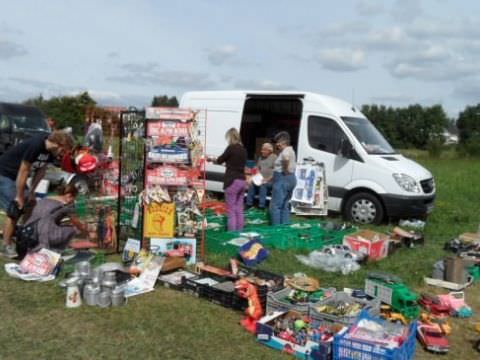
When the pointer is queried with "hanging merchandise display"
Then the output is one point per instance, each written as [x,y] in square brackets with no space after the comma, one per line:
[99,184]
[174,183]
[132,159]
[310,196]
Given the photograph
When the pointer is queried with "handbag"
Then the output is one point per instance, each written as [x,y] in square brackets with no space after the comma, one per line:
[26,237]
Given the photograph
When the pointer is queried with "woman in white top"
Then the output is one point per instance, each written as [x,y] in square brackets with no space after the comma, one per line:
[284,180]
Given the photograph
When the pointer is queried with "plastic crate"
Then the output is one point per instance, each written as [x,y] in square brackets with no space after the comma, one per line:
[320,318]
[195,287]
[174,280]
[346,348]
[220,296]
[276,302]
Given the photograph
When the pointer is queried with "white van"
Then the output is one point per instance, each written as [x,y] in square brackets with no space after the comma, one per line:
[367,179]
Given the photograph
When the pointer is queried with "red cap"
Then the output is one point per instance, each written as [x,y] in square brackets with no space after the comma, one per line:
[85,163]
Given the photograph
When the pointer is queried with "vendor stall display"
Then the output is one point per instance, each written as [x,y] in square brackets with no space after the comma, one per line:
[132,158]
[174,182]
[310,196]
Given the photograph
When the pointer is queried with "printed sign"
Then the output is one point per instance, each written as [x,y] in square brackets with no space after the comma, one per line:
[159,220]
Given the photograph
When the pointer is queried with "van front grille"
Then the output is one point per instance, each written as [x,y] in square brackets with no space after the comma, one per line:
[428,185]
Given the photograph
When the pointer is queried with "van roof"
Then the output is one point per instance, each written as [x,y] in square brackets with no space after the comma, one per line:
[19,110]
[332,104]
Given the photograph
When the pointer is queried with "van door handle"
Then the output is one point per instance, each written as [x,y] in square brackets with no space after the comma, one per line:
[308,159]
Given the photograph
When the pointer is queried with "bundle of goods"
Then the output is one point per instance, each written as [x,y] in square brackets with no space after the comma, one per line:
[341,308]
[292,333]
[373,338]
[102,286]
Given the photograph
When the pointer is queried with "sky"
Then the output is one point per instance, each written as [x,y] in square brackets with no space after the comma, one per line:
[123,52]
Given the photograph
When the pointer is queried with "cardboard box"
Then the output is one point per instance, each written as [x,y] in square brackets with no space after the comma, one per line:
[469,237]
[312,348]
[372,243]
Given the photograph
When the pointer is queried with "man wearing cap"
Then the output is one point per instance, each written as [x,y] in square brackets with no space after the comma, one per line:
[284,180]
[29,157]
[79,161]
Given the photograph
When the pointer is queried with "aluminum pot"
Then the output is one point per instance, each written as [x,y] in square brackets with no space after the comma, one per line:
[118,296]
[90,294]
[83,268]
[104,299]
[109,279]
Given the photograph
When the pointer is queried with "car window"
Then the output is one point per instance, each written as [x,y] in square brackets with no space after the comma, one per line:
[325,134]
[4,123]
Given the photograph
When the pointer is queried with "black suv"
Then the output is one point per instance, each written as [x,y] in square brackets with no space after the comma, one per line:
[19,122]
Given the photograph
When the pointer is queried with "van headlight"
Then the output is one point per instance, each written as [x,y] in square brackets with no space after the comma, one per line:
[407,183]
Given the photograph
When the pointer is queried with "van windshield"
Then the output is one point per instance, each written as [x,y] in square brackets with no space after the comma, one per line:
[368,135]
[28,122]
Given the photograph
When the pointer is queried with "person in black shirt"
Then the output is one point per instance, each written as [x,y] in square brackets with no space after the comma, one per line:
[30,156]
[235,158]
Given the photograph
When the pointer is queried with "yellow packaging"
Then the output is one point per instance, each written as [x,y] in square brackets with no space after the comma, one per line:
[159,220]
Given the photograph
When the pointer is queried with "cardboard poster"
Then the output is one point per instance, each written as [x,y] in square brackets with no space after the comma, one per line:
[159,220]
[181,247]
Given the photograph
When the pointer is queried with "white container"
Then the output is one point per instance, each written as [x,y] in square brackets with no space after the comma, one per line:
[73,299]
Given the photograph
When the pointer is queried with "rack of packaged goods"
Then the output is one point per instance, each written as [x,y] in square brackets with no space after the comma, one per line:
[97,203]
[132,162]
[173,223]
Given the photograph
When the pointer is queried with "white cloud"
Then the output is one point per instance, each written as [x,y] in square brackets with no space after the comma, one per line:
[391,37]
[392,98]
[222,55]
[341,29]
[261,85]
[407,10]
[468,90]
[369,7]
[460,29]
[342,59]
[9,50]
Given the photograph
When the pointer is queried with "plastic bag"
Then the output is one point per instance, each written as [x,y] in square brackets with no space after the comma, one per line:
[327,262]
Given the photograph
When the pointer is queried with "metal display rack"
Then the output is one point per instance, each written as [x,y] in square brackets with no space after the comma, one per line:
[131,171]
[174,179]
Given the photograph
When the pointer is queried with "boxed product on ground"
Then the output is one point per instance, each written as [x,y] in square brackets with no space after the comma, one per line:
[174,280]
[289,332]
[341,308]
[371,338]
[292,299]
[372,243]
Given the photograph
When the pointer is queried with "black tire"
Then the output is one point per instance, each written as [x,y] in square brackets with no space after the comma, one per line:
[363,208]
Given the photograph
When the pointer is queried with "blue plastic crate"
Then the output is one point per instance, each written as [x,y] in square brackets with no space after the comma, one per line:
[347,349]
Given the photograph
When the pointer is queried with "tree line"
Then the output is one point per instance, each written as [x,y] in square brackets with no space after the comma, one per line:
[414,126]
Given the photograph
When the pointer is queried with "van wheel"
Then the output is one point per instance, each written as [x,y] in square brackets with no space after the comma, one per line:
[364,208]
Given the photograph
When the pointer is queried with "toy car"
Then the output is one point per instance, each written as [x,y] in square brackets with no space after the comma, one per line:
[433,305]
[456,303]
[345,251]
[440,322]
[387,313]
[432,339]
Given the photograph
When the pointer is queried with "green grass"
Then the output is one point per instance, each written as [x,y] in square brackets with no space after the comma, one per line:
[166,324]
